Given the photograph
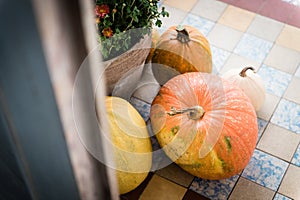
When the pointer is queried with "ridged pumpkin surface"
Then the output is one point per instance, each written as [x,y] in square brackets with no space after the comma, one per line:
[250,82]
[205,124]
[154,37]
[132,148]
[185,50]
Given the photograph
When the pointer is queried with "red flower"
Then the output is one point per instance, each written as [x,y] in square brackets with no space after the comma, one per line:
[102,10]
[107,32]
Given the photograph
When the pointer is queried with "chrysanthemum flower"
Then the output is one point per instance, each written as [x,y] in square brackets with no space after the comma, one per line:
[101,10]
[107,32]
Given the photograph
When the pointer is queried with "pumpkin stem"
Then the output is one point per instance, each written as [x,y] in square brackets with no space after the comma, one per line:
[243,72]
[182,34]
[194,113]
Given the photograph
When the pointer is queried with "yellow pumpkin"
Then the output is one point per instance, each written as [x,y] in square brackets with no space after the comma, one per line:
[132,148]
[185,49]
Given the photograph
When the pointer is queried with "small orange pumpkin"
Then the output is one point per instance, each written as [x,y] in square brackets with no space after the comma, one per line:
[184,48]
[205,124]
[155,36]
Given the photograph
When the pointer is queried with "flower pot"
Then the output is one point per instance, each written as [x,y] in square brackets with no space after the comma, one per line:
[134,58]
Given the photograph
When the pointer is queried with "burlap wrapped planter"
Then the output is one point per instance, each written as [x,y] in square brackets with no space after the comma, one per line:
[132,59]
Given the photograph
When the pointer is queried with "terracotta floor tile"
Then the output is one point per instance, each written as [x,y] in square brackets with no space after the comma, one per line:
[290,183]
[236,61]
[191,195]
[161,189]
[279,142]
[289,37]
[253,6]
[290,93]
[209,9]
[136,193]
[246,189]
[174,173]
[259,24]
[232,13]
[290,62]
[224,37]
[186,6]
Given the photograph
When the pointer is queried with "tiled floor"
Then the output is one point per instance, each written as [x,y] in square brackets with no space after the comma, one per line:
[266,35]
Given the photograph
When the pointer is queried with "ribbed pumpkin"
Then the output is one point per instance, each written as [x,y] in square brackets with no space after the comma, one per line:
[250,82]
[183,48]
[155,37]
[132,148]
[205,124]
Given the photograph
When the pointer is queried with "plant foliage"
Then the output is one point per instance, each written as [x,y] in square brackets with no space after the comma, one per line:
[115,20]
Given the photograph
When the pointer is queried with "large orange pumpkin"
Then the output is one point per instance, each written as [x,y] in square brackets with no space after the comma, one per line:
[185,49]
[205,124]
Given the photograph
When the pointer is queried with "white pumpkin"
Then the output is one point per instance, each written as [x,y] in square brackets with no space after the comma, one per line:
[250,82]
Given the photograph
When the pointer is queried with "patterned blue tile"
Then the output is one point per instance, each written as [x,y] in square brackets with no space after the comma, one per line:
[281,197]
[142,107]
[276,81]
[253,48]
[296,158]
[219,57]
[287,115]
[262,124]
[265,170]
[203,25]
[215,190]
